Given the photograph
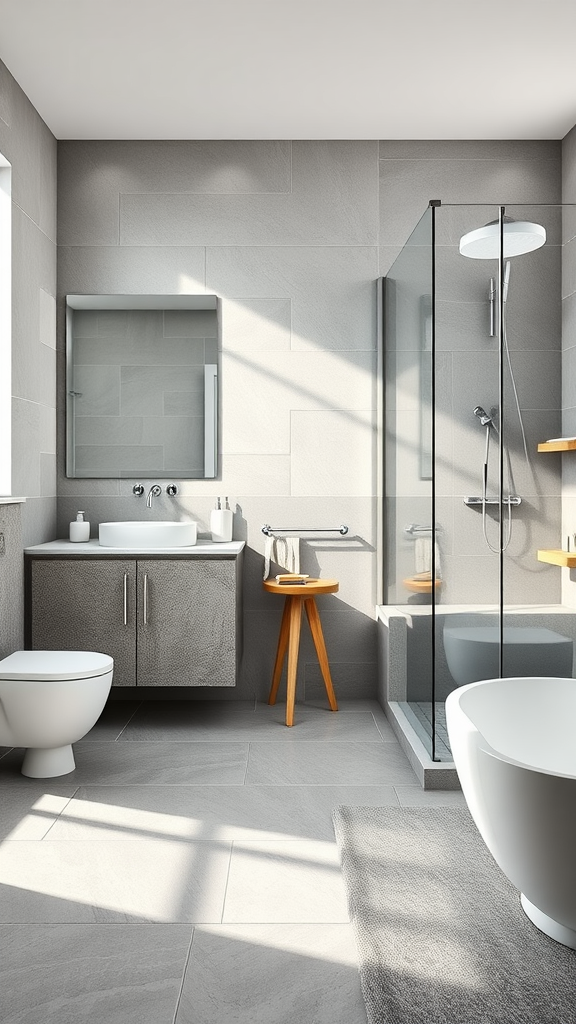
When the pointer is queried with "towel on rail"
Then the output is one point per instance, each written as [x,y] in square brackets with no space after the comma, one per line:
[285,551]
[423,556]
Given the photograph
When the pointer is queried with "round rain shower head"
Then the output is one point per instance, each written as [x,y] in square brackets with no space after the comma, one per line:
[520,236]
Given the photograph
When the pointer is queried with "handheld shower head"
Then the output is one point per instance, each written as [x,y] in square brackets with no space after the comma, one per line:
[483,416]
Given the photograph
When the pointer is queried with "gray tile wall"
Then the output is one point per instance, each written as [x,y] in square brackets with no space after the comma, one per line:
[492,173]
[568,460]
[31,149]
[286,234]
[11,579]
[292,237]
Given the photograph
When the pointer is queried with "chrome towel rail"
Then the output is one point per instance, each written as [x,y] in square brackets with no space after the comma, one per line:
[269,530]
[414,528]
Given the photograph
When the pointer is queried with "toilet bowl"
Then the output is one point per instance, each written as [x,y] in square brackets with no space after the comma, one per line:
[473,652]
[49,700]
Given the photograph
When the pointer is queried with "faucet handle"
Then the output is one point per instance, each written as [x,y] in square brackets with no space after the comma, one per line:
[172,490]
[138,489]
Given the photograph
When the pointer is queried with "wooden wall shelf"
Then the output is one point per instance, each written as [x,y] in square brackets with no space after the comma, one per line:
[557,446]
[557,557]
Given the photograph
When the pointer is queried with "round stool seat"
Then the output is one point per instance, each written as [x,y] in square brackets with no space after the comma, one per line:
[309,589]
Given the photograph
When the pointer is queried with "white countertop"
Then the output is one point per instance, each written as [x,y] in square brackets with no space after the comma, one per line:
[202,549]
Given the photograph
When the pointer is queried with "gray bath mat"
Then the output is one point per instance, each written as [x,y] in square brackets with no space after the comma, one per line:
[441,935]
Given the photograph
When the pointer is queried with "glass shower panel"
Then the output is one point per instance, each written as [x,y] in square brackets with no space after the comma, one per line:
[409,465]
[479,509]
[537,631]
[467,452]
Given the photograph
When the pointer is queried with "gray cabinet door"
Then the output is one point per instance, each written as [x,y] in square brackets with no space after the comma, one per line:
[187,622]
[86,605]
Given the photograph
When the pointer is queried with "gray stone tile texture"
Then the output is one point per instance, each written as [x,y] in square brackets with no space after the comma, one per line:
[119,974]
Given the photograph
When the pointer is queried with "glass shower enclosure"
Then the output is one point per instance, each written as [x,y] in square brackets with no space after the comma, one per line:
[472,424]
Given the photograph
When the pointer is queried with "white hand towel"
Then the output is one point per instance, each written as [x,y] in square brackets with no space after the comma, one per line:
[423,556]
[285,551]
[269,549]
[288,553]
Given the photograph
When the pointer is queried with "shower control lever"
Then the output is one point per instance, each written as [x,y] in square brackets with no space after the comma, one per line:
[511,499]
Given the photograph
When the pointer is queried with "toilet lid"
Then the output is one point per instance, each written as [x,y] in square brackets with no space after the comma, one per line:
[55,665]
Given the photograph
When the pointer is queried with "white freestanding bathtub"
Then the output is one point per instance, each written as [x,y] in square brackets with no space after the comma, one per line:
[514,747]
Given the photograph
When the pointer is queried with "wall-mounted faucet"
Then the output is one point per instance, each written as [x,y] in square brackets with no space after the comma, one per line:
[154,491]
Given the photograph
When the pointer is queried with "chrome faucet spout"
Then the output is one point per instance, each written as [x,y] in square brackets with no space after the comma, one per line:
[154,491]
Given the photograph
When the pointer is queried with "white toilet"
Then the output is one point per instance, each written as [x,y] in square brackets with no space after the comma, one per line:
[49,700]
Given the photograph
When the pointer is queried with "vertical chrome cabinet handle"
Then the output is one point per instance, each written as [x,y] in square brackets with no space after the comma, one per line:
[125,608]
[145,598]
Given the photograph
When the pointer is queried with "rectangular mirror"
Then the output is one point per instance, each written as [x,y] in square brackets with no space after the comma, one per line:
[142,386]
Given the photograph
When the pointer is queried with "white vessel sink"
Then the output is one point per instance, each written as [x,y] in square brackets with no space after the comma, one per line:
[144,535]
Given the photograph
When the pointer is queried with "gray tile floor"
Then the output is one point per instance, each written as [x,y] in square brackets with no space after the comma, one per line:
[186,871]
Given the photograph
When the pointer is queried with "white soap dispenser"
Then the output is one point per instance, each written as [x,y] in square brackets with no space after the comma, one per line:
[80,529]
[221,523]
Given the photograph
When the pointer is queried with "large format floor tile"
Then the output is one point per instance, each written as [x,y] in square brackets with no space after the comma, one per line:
[160,881]
[210,812]
[113,720]
[355,707]
[350,764]
[109,974]
[185,816]
[272,974]
[285,881]
[191,722]
[156,764]
[28,811]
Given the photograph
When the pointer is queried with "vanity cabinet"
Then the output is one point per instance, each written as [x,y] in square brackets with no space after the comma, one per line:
[165,621]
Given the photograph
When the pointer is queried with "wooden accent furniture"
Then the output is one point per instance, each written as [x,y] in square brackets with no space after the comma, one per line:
[289,640]
[558,557]
[567,445]
[419,586]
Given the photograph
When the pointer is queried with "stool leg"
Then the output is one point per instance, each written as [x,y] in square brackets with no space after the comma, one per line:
[280,653]
[295,620]
[318,638]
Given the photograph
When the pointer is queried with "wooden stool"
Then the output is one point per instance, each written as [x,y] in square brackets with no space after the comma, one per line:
[297,595]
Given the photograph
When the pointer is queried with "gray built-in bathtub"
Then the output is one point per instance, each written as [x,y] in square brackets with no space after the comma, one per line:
[405,666]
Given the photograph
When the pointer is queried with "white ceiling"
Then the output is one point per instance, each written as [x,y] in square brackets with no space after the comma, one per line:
[295,69]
